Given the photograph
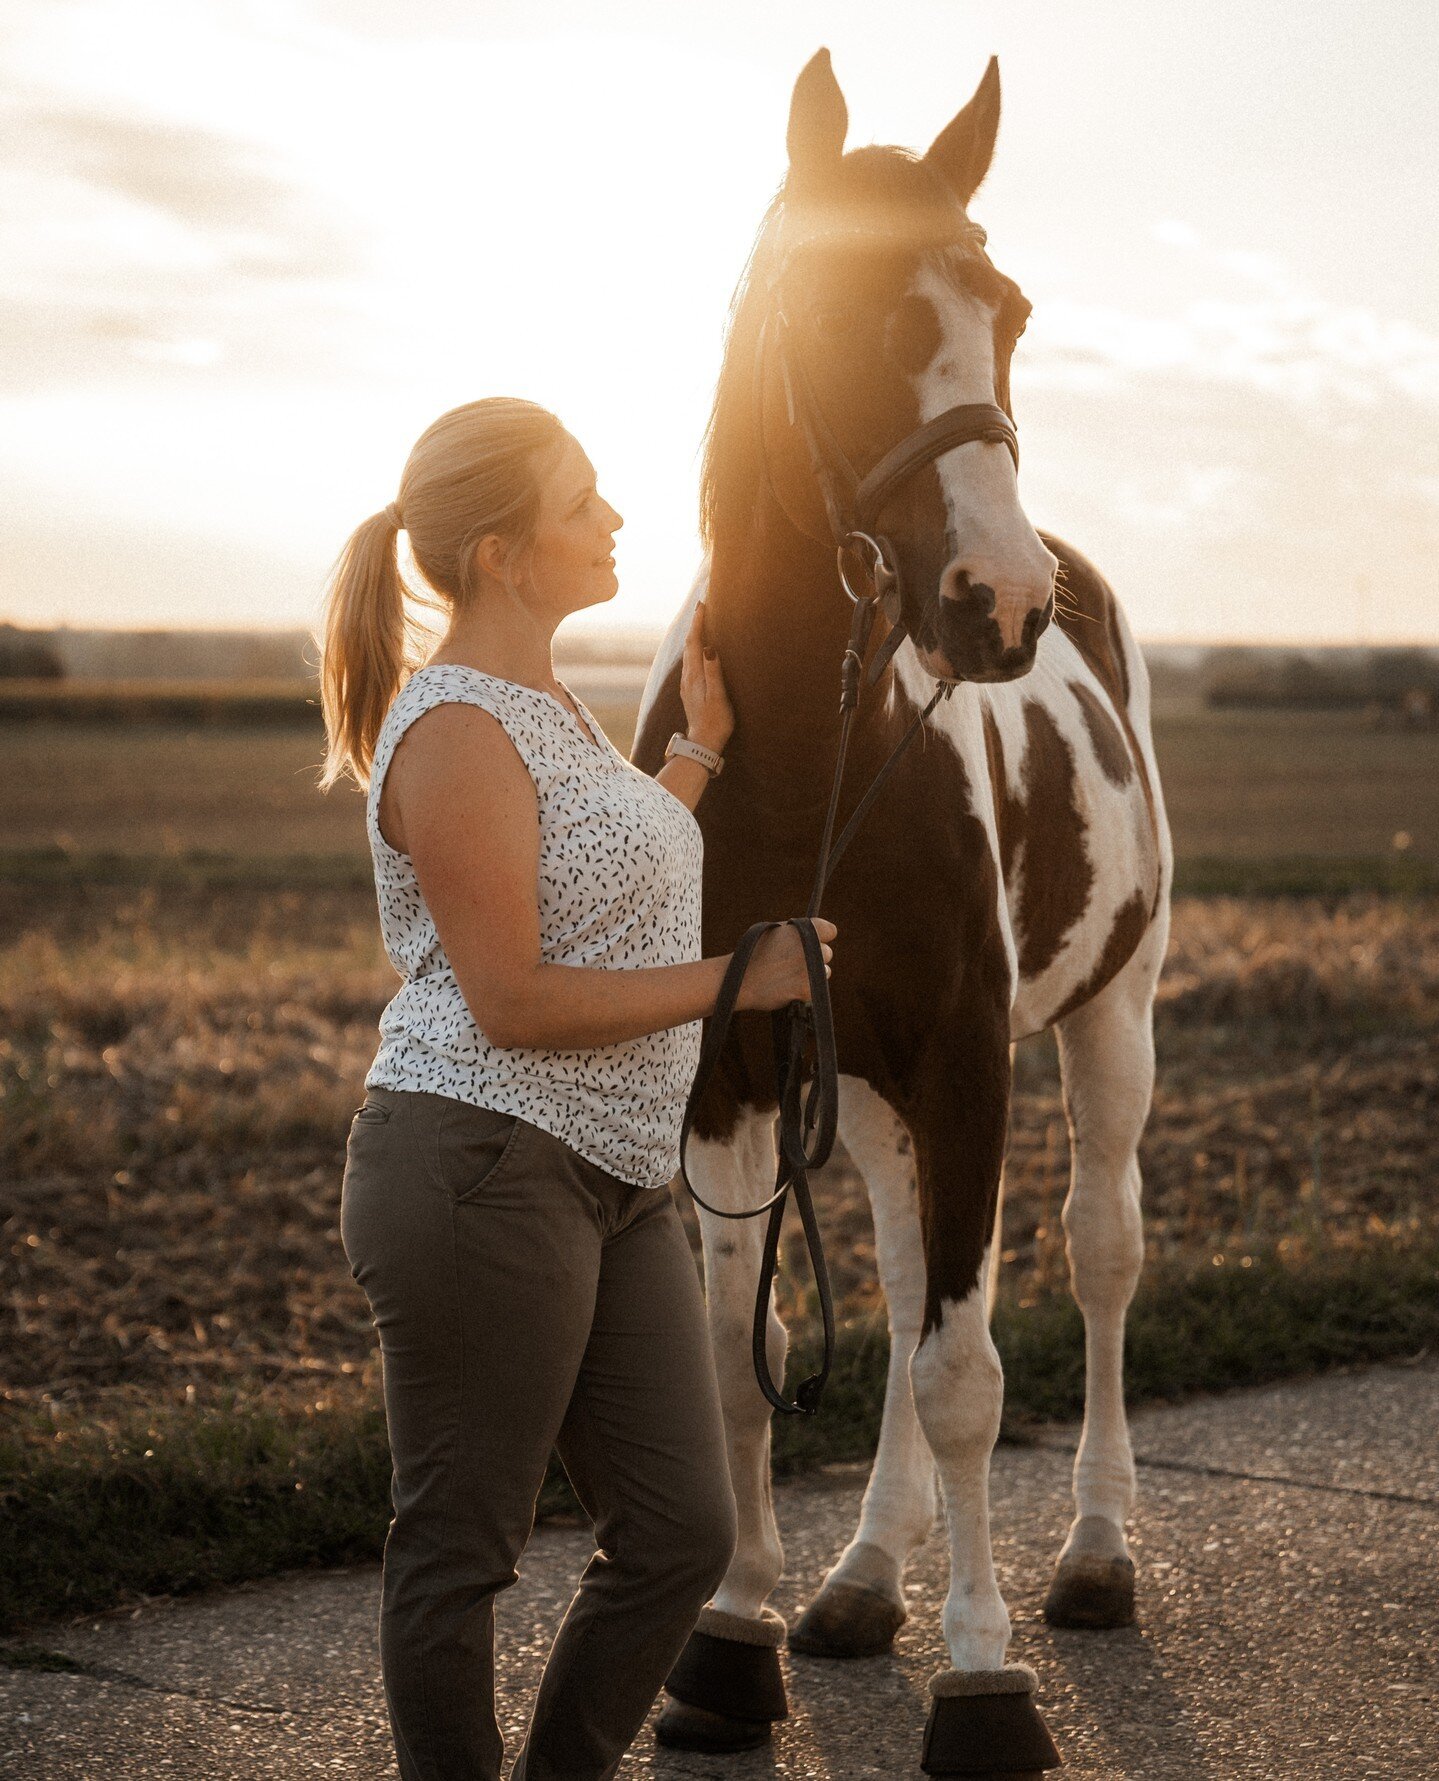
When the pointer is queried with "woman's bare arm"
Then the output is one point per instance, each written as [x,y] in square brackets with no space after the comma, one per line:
[471,827]
[684,778]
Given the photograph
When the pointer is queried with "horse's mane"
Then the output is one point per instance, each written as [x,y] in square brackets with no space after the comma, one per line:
[730,465]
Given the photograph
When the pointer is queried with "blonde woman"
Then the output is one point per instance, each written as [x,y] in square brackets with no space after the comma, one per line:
[505,1203]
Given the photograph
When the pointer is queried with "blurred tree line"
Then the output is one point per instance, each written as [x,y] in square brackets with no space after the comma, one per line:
[1402,682]
[27,655]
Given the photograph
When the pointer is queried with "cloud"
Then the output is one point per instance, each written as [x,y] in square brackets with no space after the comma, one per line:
[219,186]
[1273,336]
[130,239]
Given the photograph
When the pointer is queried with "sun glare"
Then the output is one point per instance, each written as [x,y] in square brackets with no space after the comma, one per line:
[248,253]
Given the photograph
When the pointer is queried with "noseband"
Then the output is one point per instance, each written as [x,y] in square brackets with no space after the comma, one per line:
[852,505]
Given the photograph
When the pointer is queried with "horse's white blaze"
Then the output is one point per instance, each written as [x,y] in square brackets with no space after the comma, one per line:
[958,1390]
[733,1174]
[899,1504]
[994,541]
[672,644]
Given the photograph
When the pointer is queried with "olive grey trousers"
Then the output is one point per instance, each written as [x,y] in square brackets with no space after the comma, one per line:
[526,1301]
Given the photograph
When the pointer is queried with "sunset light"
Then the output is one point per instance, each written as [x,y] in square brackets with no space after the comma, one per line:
[251,250]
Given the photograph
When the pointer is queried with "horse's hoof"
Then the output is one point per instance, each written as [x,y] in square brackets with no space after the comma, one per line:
[987,1736]
[682,1727]
[1091,1592]
[845,1620]
[732,1678]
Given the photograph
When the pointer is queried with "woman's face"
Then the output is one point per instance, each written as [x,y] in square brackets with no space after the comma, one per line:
[571,563]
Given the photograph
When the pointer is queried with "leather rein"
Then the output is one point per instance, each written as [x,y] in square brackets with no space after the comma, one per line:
[806,1131]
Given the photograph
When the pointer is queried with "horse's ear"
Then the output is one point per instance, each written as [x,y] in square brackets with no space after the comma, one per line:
[962,151]
[818,120]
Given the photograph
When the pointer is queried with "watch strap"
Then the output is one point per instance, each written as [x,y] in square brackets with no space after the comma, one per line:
[696,751]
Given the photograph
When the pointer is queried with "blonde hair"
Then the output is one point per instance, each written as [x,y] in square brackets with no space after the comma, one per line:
[474,471]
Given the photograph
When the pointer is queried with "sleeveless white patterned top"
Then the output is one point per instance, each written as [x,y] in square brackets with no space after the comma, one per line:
[619,888]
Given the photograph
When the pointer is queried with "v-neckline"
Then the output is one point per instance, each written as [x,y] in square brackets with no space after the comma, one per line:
[580,715]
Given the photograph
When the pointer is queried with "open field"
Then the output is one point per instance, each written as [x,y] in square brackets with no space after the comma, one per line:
[1240,785]
[183,1038]
[178,1075]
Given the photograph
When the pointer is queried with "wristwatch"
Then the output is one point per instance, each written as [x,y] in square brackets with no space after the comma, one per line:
[679,744]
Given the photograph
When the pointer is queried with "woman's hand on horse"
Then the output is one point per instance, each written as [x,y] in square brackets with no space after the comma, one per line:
[777,973]
[708,717]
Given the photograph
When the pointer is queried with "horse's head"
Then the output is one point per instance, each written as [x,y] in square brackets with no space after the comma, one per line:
[889,313]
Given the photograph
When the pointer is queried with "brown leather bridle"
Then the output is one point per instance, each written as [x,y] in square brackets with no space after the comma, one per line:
[853,503]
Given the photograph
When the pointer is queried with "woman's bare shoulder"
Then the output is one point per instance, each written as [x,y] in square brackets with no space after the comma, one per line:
[455,758]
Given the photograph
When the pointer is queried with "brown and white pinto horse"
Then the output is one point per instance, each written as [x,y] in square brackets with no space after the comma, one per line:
[1013,876]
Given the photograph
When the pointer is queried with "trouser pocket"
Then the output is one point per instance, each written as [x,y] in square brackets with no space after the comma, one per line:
[472,1149]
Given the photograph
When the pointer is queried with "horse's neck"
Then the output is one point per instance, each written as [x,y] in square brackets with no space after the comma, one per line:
[781,622]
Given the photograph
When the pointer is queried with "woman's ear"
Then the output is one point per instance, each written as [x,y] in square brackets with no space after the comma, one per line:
[488,556]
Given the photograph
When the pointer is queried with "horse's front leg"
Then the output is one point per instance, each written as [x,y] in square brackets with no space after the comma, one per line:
[860,1606]
[726,1690]
[1106,1056]
[983,1720]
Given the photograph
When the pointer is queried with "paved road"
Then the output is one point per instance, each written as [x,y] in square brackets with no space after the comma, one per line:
[1288,1543]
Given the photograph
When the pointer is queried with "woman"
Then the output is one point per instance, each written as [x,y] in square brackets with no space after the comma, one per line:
[504,1204]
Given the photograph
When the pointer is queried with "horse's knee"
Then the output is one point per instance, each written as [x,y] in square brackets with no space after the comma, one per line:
[957,1380]
[1104,1233]
[731,1337]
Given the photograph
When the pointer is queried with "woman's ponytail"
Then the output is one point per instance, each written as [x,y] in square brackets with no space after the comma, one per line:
[363,661]
[471,473]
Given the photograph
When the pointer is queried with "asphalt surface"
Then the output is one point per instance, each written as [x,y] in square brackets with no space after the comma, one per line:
[1287,1541]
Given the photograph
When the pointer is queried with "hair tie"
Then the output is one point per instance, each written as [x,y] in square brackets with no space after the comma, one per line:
[392,514]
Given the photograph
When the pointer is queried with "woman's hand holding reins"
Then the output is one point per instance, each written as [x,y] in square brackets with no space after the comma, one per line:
[777,974]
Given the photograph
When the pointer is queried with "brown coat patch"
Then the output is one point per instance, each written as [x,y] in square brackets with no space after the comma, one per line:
[1110,748]
[1130,923]
[1046,826]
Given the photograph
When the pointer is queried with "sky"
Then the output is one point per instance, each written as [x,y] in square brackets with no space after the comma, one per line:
[250,249]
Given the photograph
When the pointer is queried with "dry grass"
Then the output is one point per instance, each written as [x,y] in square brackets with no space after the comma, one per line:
[177,1074]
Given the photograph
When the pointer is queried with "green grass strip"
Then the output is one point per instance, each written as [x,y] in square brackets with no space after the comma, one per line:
[185,1499]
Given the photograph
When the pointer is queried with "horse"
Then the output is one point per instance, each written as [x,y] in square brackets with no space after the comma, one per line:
[1014,877]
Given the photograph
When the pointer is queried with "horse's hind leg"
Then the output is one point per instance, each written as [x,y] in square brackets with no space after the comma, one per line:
[1106,1053]
[726,1688]
[861,1605]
